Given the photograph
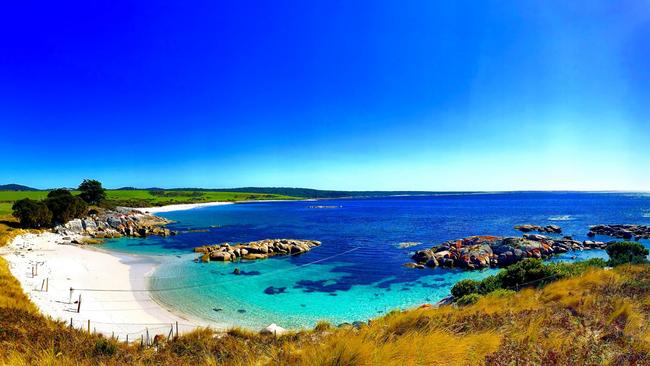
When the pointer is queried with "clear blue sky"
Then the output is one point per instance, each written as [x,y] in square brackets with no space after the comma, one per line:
[421,95]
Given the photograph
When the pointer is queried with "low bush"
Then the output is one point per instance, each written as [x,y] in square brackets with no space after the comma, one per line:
[625,252]
[526,273]
[468,299]
[465,287]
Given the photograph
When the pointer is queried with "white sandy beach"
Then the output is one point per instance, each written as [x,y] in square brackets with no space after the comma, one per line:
[179,207]
[66,265]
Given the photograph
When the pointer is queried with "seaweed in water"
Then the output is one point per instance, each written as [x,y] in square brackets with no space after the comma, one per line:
[274,290]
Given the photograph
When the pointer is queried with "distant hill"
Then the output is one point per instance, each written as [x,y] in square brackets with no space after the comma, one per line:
[16,187]
[284,191]
[308,192]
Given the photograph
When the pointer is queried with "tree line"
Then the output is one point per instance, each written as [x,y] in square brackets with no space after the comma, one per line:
[60,206]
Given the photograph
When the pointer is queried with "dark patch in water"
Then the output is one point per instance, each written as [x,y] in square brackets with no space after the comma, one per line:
[250,273]
[217,309]
[241,311]
[321,286]
[274,290]
[333,294]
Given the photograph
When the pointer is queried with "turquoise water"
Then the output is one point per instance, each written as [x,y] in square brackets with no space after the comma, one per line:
[358,271]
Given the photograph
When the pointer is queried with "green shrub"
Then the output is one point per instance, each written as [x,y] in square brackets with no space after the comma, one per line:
[65,206]
[502,292]
[623,252]
[32,214]
[564,269]
[526,272]
[104,347]
[468,299]
[465,287]
[489,284]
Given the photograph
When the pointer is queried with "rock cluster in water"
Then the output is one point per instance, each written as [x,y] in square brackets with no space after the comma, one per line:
[115,224]
[478,252]
[542,229]
[627,232]
[255,249]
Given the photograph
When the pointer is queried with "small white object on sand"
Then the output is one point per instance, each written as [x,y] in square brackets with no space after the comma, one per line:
[273,329]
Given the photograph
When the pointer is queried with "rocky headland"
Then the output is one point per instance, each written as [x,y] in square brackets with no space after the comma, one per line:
[115,224]
[636,232]
[551,229]
[254,250]
[478,252]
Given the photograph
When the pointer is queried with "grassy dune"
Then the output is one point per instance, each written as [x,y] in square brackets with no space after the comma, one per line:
[145,198]
[601,317]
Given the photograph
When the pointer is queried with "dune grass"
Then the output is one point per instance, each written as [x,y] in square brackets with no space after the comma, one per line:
[600,317]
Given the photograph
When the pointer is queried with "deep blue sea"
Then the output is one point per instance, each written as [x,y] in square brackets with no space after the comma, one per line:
[357,273]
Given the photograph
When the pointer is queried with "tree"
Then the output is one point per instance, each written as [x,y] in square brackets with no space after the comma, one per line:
[32,214]
[64,206]
[92,191]
[626,252]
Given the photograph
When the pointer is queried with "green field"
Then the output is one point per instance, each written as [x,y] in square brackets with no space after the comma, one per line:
[145,198]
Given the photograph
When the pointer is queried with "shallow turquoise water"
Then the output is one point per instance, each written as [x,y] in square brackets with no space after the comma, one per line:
[358,272]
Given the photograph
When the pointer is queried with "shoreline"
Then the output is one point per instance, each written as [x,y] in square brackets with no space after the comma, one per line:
[190,206]
[178,207]
[129,310]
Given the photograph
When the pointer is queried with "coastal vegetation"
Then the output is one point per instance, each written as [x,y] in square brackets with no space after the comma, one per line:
[595,317]
[527,273]
[59,207]
[92,192]
[145,198]
[627,252]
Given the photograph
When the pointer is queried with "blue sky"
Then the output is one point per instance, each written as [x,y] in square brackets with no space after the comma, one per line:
[415,95]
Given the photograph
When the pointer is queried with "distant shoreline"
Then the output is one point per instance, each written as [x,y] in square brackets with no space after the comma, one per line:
[178,207]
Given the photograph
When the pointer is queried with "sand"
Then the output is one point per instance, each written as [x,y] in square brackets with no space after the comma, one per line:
[179,207]
[65,265]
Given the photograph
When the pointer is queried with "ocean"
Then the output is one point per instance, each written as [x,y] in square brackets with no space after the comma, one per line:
[357,273]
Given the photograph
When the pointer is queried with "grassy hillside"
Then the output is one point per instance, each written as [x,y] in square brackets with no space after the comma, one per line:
[145,198]
[601,317]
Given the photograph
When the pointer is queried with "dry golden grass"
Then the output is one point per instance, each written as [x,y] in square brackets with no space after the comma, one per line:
[599,318]
[9,229]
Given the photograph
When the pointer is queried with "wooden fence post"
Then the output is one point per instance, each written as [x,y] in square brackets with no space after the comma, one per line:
[42,285]
[79,304]
[70,301]
[176,329]
[47,284]
[88,325]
